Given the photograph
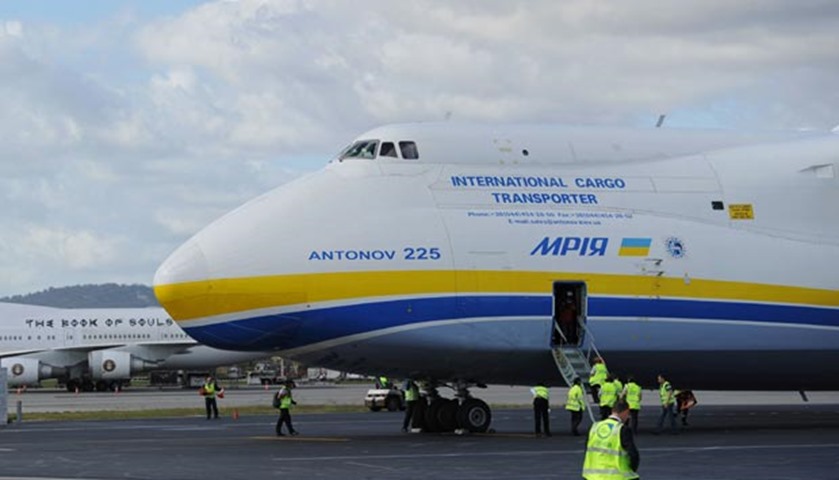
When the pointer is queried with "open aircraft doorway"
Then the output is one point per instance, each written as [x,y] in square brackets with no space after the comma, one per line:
[569,313]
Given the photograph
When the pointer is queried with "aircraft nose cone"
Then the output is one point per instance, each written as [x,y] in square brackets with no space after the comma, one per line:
[181,280]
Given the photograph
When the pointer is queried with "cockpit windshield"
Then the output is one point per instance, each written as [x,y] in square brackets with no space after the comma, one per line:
[361,149]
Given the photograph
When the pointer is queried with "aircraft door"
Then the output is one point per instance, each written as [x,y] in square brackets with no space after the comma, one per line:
[570,305]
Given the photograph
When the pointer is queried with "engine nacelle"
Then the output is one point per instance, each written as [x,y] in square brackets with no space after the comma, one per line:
[116,364]
[28,371]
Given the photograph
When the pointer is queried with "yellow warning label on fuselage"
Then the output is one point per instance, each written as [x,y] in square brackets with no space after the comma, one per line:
[741,211]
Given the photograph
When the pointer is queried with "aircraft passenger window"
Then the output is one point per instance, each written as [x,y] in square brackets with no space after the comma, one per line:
[361,149]
[409,150]
[388,150]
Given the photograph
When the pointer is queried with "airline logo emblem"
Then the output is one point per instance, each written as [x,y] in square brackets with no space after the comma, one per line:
[635,247]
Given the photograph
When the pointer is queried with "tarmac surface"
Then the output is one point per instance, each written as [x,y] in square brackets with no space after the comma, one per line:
[793,441]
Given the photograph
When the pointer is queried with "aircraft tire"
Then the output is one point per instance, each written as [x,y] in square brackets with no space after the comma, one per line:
[474,415]
[447,416]
[432,424]
[392,403]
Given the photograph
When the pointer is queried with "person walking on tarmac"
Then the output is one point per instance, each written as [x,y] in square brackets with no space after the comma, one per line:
[611,451]
[598,375]
[541,413]
[209,390]
[668,403]
[608,397]
[286,401]
[576,405]
[411,399]
[632,394]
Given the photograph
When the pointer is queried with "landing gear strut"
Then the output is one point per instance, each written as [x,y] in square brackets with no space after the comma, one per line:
[461,413]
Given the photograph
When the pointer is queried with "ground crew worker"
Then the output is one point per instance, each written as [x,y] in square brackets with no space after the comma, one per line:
[576,405]
[411,399]
[382,382]
[286,401]
[541,404]
[598,375]
[632,394]
[668,403]
[209,390]
[618,386]
[608,397]
[611,452]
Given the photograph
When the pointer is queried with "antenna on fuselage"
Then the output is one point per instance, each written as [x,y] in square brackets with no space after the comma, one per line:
[660,121]
[447,116]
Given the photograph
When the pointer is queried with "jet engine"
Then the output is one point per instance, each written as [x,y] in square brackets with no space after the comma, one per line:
[28,371]
[116,364]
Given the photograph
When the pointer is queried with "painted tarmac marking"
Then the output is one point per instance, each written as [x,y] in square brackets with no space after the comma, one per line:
[301,439]
[549,452]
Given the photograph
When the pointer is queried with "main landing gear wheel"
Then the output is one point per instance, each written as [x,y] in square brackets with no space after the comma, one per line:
[474,415]
[447,416]
[432,424]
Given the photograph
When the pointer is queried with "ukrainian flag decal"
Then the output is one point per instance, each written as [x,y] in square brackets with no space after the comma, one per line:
[635,247]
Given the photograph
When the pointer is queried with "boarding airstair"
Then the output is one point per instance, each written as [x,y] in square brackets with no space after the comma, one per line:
[573,361]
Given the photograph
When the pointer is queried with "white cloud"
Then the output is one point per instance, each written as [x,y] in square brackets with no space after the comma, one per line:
[122,137]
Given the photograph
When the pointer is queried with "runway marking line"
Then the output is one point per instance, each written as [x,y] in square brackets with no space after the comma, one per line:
[527,453]
[298,438]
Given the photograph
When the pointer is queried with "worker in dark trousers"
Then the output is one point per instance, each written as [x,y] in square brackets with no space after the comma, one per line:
[541,405]
[632,393]
[576,405]
[598,375]
[411,400]
[668,404]
[608,396]
[209,390]
[286,401]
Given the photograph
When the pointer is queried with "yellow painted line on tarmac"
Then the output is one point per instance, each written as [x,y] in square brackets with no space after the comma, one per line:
[299,438]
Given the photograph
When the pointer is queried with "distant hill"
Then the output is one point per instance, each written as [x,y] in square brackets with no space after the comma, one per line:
[108,295]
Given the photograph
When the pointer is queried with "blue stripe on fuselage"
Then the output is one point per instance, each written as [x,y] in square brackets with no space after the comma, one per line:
[291,330]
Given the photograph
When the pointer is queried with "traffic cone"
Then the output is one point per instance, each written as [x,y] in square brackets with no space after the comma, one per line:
[265,385]
[77,390]
[235,414]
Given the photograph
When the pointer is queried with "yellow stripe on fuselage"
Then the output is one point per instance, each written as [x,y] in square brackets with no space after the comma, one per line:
[194,300]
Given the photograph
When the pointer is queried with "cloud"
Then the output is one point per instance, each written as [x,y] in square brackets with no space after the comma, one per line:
[122,136]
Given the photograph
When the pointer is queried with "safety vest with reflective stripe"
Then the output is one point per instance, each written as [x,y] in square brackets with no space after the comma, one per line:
[210,390]
[599,372]
[285,398]
[412,393]
[575,399]
[605,457]
[633,395]
[608,394]
[541,392]
[668,397]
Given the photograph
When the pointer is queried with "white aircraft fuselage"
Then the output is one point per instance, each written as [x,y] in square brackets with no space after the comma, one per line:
[98,345]
[431,251]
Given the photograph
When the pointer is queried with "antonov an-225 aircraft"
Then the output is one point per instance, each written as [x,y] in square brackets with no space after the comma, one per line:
[442,252]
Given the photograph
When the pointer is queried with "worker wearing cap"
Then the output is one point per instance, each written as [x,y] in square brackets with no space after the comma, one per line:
[576,405]
[611,452]
[541,404]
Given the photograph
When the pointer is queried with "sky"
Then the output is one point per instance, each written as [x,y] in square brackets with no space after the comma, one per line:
[127,126]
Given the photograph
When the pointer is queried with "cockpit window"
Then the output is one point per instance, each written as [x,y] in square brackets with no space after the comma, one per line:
[361,149]
[409,150]
[388,150]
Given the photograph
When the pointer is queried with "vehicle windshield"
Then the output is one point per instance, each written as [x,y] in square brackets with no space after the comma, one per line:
[361,149]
